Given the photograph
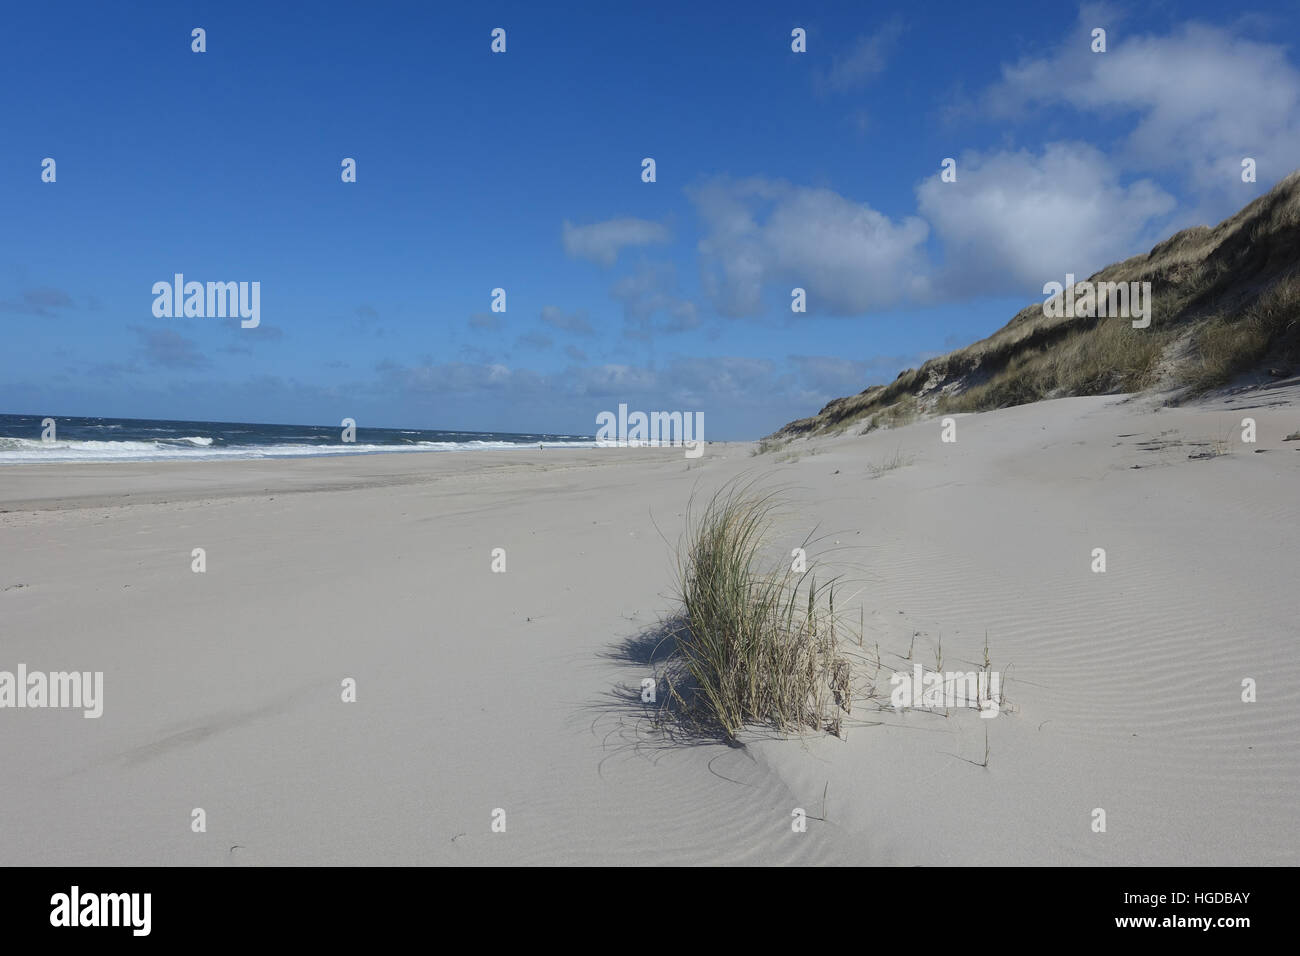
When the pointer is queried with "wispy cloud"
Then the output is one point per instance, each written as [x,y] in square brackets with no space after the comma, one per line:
[534,341]
[263,332]
[652,303]
[40,301]
[169,349]
[866,58]
[575,322]
[601,242]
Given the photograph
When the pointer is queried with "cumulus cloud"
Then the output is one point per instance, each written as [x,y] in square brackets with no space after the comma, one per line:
[847,256]
[1187,106]
[1014,220]
[601,242]
[1197,100]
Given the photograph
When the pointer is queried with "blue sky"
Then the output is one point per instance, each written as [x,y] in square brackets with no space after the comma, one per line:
[522,171]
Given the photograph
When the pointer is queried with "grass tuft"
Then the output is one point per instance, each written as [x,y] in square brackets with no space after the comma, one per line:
[1226,346]
[896,461]
[758,644]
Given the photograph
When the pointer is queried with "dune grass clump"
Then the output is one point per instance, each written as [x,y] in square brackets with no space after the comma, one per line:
[757,644]
[1110,356]
[894,462]
[1227,345]
[766,445]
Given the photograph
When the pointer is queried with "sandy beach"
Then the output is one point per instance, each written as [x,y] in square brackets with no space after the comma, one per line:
[478,691]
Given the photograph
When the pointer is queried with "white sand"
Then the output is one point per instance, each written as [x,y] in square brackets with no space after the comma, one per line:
[479,690]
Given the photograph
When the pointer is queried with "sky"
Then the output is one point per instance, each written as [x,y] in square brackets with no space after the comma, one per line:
[522,170]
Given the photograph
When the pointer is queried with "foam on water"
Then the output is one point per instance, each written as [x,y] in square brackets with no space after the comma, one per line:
[20,450]
[23,439]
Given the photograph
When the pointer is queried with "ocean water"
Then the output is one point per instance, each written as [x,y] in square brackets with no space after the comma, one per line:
[144,439]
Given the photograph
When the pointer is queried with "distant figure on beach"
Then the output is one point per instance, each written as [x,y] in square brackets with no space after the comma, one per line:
[539,446]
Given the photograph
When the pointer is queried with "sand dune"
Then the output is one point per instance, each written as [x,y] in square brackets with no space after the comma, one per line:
[478,690]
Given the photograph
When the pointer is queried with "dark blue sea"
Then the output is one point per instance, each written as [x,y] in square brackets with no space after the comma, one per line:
[146,439]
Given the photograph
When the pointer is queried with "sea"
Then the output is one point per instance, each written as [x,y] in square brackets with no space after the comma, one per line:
[150,439]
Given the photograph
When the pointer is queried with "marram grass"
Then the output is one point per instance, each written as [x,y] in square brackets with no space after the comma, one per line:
[757,643]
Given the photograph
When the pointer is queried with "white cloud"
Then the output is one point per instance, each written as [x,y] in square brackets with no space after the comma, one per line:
[1199,100]
[601,242]
[846,255]
[1014,220]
